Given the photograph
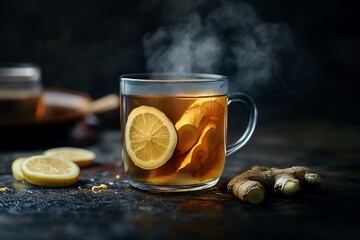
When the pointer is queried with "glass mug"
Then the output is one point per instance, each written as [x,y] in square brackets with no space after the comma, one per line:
[174,129]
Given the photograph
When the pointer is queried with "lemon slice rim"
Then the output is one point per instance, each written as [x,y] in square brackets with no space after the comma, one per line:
[74,174]
[152,164]
[16,168]
[86,159]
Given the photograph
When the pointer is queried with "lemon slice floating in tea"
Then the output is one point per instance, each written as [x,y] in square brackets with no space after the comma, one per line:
[50,171]
[16,168]
[81,157]
[150,137]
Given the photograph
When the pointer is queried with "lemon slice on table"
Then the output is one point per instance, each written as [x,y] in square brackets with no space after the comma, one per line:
[81,157]
[16,168]
[150,137]
[50,171]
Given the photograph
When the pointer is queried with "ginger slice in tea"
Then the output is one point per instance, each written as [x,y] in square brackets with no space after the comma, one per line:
[193,121]
[188,128]
[212,106]
[208,141]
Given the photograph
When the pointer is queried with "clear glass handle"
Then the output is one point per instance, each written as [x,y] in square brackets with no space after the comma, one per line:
[243,98]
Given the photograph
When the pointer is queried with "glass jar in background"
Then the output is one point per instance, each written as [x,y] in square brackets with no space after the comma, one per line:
[20,93]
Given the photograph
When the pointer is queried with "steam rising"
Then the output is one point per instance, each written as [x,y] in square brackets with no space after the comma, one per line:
[187,47]
[231,40]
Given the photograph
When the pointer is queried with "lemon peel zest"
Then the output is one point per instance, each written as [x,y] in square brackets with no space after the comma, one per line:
[4,189]
[99,188]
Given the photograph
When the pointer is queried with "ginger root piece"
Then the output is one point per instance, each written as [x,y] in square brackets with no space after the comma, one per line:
[195,158]
[208,141]
[250,185]
[191,124]
[188,128]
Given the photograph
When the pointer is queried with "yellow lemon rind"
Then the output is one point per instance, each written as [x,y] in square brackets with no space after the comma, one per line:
[16,168]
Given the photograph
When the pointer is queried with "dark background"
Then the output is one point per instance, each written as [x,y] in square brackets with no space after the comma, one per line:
[87,45]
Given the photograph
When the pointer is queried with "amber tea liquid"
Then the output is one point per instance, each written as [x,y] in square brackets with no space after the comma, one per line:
[199,158]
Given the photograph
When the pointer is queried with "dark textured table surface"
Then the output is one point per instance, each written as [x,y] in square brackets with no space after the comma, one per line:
[332,212]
